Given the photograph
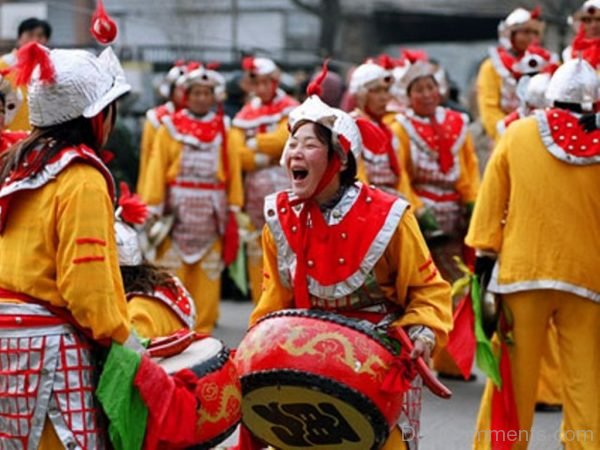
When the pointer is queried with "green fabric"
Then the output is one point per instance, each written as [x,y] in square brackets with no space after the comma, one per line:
[427,221]
[121,401]
[237,271]
[484,355]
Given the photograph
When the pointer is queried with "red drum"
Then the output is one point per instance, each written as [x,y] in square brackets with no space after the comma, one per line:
[218,392]
[312,379]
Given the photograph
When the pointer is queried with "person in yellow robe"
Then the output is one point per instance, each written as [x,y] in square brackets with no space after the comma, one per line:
[497,80]
[154,116]
[60,287]
[320,161]
[586,42]
[258,136]
[538,213]
[380,163]
[194,174]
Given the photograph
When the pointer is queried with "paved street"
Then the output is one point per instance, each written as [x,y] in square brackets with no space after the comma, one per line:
[446,424]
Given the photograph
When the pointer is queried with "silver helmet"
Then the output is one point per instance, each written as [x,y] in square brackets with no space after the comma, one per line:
[574,82]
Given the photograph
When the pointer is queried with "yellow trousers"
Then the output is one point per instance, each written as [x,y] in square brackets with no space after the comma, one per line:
[254,257]
[394,441]
[549,389]
[203,280]
[577,322]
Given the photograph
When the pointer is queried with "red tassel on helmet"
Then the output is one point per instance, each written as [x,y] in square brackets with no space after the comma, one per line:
[29,57]
[385,61]
[315,86]
[103,28]
[248,63]
[193,65]
[536,12]
[133,208]
[414,55]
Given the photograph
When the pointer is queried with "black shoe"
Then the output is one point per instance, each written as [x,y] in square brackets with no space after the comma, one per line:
[547,407]
[453,377]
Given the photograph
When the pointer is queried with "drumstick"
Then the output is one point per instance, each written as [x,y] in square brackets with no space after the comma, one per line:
[429,379]
[173,344]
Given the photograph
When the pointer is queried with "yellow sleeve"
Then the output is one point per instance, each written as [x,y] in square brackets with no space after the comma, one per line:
[163,166]
[275,296]
[88,275]
[148,134]
[486,229]
[150,318]
[405,162]
[420,288]
[272,143]
[235,189]
[469,179]
[489,85]
[237,141]
[361,171]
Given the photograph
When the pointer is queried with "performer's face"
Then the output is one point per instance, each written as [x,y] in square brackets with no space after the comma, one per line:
[200,99]
[523,38]
[424,96]
[376,100]
[591,26]
[264,87]
[306,160]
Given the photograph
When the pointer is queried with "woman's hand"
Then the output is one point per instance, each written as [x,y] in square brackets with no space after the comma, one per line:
[423,340]
[421,349]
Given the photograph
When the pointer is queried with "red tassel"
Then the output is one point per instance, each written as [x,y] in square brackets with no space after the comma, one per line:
[231,240]
[29,57]
[213,65]
[504,417]
[193,65]
[536,12]
[385,61]
[103,27]
[315,86]
[248,63]
[414,55]
[134,210]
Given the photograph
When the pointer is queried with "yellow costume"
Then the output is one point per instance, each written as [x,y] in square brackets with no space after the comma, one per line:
[258,135]
[532,221]
[186,176]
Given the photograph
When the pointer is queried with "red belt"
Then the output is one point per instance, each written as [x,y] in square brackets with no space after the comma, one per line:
[197,185]
[26,320]
[450,197]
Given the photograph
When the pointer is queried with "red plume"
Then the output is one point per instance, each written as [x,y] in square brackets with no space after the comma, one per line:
[314,87]
[385,61]
[28,58]
[536,12]
[213,65]
[414,55]
[193,65]
[133,209]
[103,27]
[248,63]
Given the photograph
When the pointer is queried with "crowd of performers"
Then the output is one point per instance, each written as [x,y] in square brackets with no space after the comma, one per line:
[376,212]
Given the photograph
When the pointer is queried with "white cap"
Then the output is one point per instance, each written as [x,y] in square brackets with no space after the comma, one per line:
[204,77]
[260,66]
[367,76]
[574,82]
[174,73]
[128,245]
[418,70]
[345,133]
[535,91]
[534,61]
[83,85]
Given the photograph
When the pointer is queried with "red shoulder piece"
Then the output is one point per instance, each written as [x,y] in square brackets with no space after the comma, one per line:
[253,114]
[567,134]
[335,252]
[445,135]
[202,130]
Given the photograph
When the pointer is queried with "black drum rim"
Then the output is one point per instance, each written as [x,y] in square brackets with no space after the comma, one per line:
[212,364]
[297,378]
[329,316]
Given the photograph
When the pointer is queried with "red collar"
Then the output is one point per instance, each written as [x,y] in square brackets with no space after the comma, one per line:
[255,113]
[203,129]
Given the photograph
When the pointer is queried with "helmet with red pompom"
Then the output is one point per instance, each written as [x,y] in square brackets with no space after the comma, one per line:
[131,211]
[254,66]
[519,19]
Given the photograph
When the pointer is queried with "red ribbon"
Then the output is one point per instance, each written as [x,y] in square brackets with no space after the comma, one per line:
[402,371]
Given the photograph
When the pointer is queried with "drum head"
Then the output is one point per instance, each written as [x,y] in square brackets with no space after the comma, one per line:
[197,357]
[309,411]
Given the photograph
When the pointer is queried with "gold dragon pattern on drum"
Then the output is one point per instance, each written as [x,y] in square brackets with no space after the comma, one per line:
[348,356]
[230,392]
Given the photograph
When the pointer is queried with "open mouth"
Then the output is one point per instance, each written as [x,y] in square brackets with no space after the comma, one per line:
[299,174]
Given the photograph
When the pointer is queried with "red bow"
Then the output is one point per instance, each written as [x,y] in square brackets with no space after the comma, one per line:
[400,374]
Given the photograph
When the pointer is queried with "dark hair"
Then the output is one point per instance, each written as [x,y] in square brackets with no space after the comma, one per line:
[324,136]
[50,140]
[574,107]
[3,99]
[31,24]
[146,278]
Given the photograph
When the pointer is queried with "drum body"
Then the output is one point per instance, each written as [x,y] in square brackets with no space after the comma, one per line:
[217,389]
[312,379]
